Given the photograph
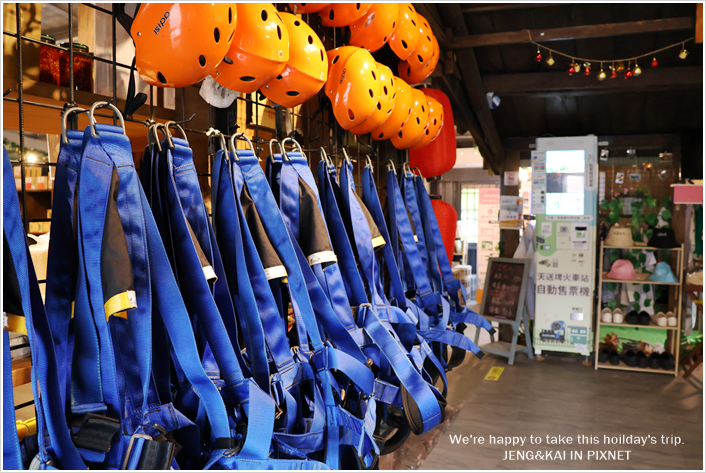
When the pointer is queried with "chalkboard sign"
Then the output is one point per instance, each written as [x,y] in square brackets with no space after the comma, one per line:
[505,288]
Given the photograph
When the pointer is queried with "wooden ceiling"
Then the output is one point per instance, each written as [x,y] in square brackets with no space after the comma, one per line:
[485,48]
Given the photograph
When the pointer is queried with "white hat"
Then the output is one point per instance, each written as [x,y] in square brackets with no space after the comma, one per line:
[619,236]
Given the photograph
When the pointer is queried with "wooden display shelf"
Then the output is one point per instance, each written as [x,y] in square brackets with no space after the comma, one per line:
[643,280]
[651,248]
[651,325]
[622,366]
[673,332]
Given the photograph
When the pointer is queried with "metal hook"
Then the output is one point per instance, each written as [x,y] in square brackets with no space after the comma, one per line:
[102,105]
[346,157]
[391,165]
[150,141]
[369,162]
[65,117]
[405,168]
[167,134]
[281,149]
[242,137]
[178,127]
[325,157]
[214,133]
[295,143]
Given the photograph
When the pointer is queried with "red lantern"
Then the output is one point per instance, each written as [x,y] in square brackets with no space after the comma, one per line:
[447,218]
[439,156]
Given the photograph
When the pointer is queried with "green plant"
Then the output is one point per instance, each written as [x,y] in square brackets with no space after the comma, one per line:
[641,223]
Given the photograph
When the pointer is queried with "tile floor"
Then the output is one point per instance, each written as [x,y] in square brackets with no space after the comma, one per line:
[561,396]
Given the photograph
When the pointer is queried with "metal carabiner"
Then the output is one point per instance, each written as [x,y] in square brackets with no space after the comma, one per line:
[242,137]
[369,162]
[178,127]
[93,120]
[64,117]
[391,165]
[167,134]
[295,142]
[281,150]
[152,130]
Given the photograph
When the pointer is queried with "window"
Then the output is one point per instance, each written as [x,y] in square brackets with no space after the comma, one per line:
[469,214]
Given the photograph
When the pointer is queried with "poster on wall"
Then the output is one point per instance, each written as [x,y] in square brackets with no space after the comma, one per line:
[510,215]
[488,230]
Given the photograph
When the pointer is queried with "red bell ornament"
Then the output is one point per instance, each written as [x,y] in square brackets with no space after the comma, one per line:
[446,218]
[439,156]
[571,70]
[654,62]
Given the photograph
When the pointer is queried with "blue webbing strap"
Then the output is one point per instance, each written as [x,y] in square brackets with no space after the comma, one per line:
[427,414]
[277,231]
[61,258]
[435,246]
[410,199]
[198,295]
[45,379]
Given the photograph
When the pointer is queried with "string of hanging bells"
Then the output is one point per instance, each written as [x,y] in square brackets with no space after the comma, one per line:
[615,66]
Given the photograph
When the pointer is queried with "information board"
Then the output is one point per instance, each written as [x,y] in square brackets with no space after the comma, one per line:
[505,288]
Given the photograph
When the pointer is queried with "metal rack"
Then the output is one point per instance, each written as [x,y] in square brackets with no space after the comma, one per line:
[329,137]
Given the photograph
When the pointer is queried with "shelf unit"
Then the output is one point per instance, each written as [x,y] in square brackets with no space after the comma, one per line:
[673,332]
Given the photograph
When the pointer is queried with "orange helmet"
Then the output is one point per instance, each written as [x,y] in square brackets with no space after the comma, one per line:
[353,85]
[198,33]
[383,109]
[418,122]
[343,14]
[308,7]
[404,38]
[405,70]
[423,52]
[374,28]
[436,119]
[259,51]
[306,71]
[402,101]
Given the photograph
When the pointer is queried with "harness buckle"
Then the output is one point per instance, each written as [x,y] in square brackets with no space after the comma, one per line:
[154,453]
[96,432]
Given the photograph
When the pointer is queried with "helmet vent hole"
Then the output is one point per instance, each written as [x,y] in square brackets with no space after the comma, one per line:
[414,23]
[263,15]
[330,14]
[404,44]
[384,40]
[384,89]
[303,4]
[418,122]
[399,134]
[427,132]
[370,91]
[322,54]
[335,60]
[279,77]
[279,32]
[310,39]
[227,60]
[394,95]
[389,111]
[247,78]
[292,93]
[419,56]
[410,7]
[161,78]
[435,121]
[357,6]
[217,35]
[409,72]
[351,115]
[230,15]
[231,36]
[379,107]
[202,60]
[297,23]
[394,23]
[381,135]
[373,73]
[423,109]
[428,38]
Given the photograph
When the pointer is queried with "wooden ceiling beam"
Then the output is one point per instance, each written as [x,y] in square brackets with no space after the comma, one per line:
[506,6]
[560,83]
[572,32]
[473,83]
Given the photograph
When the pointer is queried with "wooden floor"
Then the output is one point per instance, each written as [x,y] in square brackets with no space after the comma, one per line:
[561,396]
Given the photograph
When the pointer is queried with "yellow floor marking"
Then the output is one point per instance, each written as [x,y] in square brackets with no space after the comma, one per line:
[494,373]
